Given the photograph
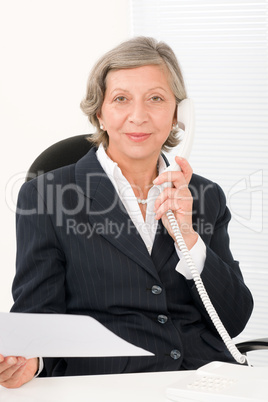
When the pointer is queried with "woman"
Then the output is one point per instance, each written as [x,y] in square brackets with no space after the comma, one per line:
[123,268]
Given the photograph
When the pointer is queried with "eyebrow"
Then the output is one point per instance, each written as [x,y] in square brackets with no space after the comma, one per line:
[126,90]
[155,88]
[119,89]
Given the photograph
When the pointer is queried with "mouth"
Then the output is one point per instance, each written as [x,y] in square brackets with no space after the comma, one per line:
[138,137]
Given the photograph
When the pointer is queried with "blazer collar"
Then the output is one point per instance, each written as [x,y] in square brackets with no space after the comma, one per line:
[108,214]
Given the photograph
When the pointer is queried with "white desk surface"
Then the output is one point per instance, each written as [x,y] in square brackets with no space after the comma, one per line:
[106,388]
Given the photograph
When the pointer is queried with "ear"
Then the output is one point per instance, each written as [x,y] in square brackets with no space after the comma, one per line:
[175,120]
[98,114]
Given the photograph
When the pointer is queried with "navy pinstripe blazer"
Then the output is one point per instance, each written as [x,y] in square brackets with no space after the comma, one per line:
[78,252]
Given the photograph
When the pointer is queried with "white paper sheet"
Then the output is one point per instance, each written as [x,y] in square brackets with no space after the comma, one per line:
[60,335]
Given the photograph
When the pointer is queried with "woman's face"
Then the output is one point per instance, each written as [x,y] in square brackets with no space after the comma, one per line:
[137,112]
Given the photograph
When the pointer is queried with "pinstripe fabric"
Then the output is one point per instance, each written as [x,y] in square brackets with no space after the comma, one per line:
[79,253]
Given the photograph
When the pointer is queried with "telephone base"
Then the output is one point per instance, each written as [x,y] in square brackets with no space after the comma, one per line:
[224,382]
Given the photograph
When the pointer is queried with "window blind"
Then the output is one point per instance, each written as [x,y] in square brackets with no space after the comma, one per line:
[222,47]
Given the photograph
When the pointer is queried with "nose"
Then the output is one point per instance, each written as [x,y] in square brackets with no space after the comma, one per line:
[138,114]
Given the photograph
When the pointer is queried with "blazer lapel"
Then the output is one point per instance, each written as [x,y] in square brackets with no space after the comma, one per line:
[163,247]
[107,214]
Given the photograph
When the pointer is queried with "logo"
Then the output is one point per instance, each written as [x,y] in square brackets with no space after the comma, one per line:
[245,200]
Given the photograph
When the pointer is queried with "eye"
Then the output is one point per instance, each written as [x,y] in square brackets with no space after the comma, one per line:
[156,98]
[120,99]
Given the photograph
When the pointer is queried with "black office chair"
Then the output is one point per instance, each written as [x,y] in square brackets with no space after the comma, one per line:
[252,345]
[62,153]
[69,151]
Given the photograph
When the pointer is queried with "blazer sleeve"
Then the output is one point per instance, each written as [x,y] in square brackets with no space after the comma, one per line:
[221,274]
[38,286]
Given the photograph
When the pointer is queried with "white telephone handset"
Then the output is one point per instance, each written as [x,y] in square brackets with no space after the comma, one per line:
[185,118]
[186,122]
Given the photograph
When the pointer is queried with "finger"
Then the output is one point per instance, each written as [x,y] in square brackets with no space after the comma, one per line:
[177,178]
[13,376]
[8,362]
[170,177]
[18,375]
[185,168]
[181,194]
[11,362]
[9,373]
[176,205]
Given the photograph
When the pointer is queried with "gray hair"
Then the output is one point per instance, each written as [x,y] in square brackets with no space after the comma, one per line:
[136,52]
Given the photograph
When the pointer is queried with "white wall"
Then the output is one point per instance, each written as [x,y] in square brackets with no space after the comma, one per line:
[47,50]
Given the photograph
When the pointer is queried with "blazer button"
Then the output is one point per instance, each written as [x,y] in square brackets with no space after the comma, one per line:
[156,290]
[175,354]
[162,319]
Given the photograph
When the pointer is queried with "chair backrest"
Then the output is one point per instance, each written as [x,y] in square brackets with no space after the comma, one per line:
[62,153]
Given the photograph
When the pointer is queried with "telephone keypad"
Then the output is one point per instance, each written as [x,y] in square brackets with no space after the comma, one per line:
[207,383]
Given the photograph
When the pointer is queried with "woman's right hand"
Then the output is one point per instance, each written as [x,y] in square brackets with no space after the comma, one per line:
[16,371]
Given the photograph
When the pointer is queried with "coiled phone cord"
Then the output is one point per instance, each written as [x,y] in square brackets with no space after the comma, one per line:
[203,293]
